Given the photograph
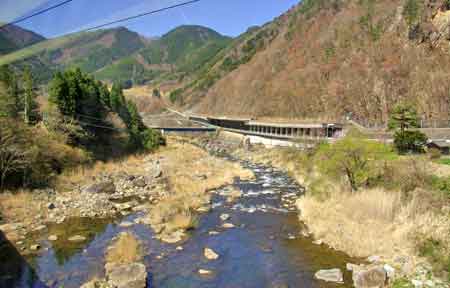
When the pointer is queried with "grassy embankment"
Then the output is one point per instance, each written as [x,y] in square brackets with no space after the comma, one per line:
[399,205]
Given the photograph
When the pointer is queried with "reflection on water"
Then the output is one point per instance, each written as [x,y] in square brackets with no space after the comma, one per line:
[265,249]
[64,249]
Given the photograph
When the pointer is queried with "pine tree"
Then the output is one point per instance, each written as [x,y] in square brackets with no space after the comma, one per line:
[30,106]
[16,101]
[116,97]
[10,100]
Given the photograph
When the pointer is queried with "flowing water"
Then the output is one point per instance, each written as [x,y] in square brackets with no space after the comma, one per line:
[265,249]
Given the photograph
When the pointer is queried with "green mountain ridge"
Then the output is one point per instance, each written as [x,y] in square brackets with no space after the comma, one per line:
[119,54]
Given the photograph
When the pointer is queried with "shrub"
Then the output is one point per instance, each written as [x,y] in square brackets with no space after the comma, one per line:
[435,251]
[410,141]
[411,11]
[152,139]
[174,95]
[352,157]
[434,153]
[32,156]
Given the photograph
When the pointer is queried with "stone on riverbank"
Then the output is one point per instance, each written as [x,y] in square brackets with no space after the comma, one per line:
[96,284]
[35,247]
[330,275]
[132,275]
[210,254]
[371,277]
[107,187]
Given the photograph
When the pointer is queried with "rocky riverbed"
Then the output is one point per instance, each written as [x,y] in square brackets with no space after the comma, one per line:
[248,235]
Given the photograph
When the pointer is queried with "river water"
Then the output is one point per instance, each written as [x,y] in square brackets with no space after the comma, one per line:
[265,249]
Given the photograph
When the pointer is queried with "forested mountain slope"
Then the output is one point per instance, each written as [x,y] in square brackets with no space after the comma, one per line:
[333,58]
[119,54]
[13,38]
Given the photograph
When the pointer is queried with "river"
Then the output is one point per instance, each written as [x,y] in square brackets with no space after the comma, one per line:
[266,248]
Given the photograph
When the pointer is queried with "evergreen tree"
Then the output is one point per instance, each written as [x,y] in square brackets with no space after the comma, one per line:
[31,114]
[104,95]
[14,94]
[116,97]
[10,99]
[403,118]
[61,96]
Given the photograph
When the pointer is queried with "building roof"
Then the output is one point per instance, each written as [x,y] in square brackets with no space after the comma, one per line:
[293,125]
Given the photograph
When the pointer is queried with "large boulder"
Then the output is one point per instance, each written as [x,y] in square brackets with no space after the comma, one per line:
[369,277]
[132,275]
[330,275]
[107,187]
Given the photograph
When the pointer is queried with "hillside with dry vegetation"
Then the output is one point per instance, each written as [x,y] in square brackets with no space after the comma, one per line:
[331,58]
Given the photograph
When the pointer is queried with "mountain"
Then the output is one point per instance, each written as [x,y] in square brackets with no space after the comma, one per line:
[88,50]
[120,55]
[13,38]
[331,59]
[177,53]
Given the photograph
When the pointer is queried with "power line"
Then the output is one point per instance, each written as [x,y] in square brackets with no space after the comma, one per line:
[105,24]
[36,14]
[140,15]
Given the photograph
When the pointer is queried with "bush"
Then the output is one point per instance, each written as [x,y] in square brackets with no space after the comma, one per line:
[435,251]
[32,156]
[410,141]
[434,153]
[152,139]
[353,157]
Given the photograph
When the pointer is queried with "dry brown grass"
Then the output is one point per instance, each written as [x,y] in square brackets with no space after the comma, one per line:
[372,222]
[191,173]
[142,97]
[125,250]
[82,175]
[20,206]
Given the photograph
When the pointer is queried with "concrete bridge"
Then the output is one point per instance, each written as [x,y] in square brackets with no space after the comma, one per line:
[277,130]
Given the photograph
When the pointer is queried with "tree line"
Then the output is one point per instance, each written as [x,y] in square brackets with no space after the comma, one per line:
[40,139]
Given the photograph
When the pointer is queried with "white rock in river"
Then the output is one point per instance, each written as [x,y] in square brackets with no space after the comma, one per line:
[77,238]
[52,238]
[228,225]
[330,275]
[204,272]
[126,224]
[224,217]
[210,254]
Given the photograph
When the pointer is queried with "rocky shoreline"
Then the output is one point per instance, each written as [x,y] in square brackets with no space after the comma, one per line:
[109,195]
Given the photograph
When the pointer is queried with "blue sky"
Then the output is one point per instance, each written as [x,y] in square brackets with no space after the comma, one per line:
[229,17]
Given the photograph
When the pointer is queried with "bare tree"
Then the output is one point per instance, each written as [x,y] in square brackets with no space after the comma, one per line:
[13,156]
